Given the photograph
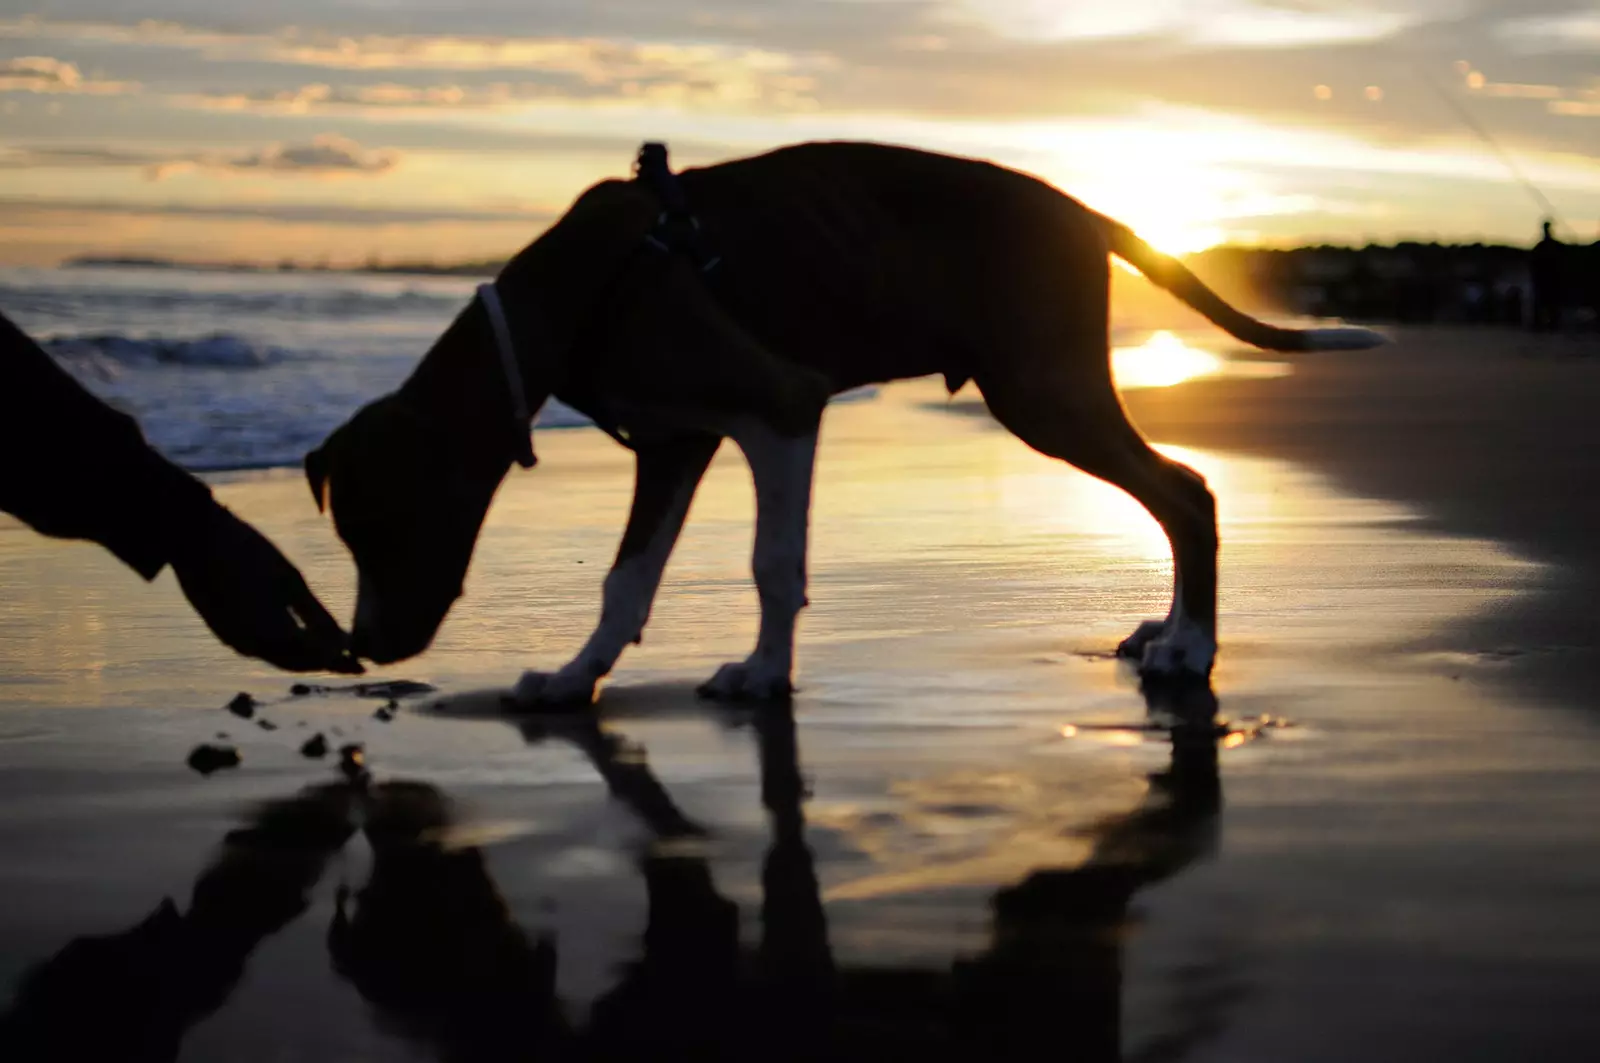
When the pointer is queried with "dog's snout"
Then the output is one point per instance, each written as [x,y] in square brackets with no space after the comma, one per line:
[366,631]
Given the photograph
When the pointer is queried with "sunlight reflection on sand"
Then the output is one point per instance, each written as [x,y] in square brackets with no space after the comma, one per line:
[1166,359]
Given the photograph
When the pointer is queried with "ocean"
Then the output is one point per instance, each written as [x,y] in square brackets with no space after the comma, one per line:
[232,370]
[237,370]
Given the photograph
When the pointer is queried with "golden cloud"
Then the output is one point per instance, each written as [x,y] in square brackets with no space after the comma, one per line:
[622,67]
[41,73]
[329,155]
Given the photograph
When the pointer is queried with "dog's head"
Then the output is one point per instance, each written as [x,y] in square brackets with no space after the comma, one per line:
[408,501]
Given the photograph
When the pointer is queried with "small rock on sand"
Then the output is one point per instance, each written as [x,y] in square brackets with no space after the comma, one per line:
[207,758]
[385,713]
[242,705]
[266,724]
[315,746]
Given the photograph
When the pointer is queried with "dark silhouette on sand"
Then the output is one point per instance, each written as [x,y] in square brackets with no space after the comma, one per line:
[1546,268]
[432,947]
[132,996]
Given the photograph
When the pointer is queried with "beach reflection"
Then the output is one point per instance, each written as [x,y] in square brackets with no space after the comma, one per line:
[1161,361]
[1165,359]
[442,960]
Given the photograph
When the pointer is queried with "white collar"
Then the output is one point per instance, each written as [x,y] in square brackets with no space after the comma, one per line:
[490,298]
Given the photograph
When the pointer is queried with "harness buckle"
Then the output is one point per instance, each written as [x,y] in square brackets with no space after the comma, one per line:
[677,230]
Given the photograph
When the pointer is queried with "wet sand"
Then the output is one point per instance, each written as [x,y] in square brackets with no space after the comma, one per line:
[1489,433]
[972,832]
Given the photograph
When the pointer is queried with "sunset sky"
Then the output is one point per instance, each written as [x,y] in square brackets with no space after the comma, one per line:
[412,129]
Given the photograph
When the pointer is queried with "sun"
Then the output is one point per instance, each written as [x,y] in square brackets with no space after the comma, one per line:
[1177,236]
[1177,215]
[1177,222]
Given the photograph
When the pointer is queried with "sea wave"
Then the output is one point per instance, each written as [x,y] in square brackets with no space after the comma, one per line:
[221,350]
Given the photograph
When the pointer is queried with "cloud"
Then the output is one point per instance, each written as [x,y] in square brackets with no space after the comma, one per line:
[339,214]
[1575,31]
[41,73]
[382,97]
[1225,23]
[664,71]
[328,155]
[31,158]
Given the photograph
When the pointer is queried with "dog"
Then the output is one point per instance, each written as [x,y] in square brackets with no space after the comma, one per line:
[837,265]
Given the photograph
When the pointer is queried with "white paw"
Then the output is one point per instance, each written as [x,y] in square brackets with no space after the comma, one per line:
[566,688]
[748,680]
[1184,650]
[1133,646]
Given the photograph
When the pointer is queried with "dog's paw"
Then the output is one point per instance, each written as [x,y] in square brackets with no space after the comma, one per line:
[748,680]
[548,690]
[1183,652]
[1133,646]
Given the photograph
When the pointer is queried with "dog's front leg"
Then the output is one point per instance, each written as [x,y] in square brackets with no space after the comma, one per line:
[781,467]
[666,473]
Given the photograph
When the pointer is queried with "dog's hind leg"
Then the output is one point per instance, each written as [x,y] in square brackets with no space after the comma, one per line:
[666,473]
[781,467]
[1177,496]
[1133,646]
[1056,394]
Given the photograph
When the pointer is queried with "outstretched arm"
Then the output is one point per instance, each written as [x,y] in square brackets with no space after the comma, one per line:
[77,469]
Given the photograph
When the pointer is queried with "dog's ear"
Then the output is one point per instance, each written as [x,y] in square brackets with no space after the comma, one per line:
[317,477]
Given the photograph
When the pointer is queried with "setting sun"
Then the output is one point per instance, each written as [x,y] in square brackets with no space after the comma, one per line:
[1178,220]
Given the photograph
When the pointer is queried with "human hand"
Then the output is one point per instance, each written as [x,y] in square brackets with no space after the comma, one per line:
[253,599]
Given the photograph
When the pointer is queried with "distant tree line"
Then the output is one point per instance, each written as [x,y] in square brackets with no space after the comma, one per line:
[1416,283]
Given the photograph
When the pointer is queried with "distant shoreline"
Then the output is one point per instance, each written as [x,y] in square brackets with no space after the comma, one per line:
[490,266]
[483,268]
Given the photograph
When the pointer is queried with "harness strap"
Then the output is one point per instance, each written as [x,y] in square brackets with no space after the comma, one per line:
[490,298]
[677,230]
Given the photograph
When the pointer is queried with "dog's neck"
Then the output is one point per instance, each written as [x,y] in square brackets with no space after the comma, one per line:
[462,384]
[551,291]
[460,387]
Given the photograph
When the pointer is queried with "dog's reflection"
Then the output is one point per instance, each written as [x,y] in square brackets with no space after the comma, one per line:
[431,945]
[1050,979]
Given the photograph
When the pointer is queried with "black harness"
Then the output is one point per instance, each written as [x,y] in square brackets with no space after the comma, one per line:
[676,232]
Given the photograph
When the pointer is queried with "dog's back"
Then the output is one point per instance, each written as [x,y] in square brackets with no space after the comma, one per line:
[872,262]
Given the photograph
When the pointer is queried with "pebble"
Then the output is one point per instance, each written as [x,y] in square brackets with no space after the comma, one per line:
[242,705]
[207,758]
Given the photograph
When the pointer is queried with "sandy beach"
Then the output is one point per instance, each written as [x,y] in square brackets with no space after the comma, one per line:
[974,831]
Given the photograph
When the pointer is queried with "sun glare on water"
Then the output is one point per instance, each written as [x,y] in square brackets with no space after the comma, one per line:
[1160,362]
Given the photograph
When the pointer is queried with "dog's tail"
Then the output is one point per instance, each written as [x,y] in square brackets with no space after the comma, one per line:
[1167,272]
